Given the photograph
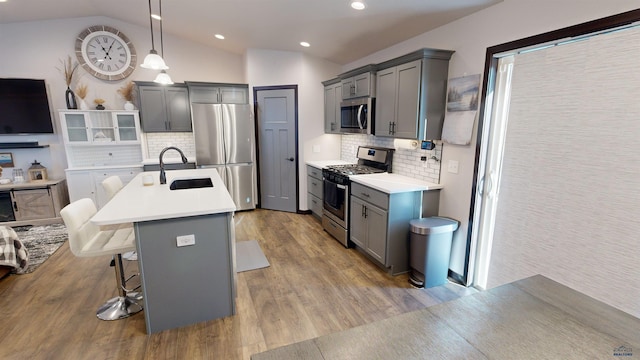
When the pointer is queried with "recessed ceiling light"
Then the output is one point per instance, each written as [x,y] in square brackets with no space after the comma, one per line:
[156,16]
[3,0]
[219,36]
[305,44]
[358,5]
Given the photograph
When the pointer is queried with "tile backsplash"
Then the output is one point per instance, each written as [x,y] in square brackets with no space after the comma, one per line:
[406,160]
[182,140]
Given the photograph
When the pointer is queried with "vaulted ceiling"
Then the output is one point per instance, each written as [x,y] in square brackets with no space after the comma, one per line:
[334,30]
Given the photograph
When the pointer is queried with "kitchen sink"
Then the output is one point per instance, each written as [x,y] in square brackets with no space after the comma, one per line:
[195,183]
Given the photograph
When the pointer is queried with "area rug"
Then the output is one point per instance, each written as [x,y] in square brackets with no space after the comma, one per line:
[41,242]
[249,256]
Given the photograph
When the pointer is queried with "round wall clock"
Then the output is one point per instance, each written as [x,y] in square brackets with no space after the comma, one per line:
[106,53]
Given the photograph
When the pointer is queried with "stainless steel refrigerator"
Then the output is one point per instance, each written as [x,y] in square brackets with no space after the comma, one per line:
[224,138]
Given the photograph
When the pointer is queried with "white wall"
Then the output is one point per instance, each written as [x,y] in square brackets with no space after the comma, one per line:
[470,37]
[34,50]
[273,68]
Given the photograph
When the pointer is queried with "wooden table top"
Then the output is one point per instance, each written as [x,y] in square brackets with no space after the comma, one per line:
[533,318]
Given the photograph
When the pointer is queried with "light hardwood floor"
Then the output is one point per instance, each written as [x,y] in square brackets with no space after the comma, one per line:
[313,287]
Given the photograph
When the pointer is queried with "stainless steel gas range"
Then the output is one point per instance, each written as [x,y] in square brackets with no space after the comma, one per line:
[335,213]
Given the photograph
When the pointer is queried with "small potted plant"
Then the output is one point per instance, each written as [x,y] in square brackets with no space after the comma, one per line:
[127,92]
[99,103]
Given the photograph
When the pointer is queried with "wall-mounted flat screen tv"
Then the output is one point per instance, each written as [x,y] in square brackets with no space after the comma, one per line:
[24,107]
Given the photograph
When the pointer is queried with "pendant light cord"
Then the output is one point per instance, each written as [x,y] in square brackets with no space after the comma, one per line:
[151,26]
[161,42]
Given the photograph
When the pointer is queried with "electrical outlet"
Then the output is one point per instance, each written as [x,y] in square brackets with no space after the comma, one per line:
[453,167]
[186,240]
[423,158]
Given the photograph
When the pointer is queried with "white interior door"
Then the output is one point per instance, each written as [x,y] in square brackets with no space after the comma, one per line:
[276,113]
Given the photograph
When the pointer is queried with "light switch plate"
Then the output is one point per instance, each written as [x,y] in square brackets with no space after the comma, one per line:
[453,167]
[186,240]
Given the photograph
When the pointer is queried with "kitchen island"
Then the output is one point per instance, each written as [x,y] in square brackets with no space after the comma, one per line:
[185,244]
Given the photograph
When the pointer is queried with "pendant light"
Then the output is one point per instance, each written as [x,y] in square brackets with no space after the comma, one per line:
[358,4]
[153,60]
[162,78]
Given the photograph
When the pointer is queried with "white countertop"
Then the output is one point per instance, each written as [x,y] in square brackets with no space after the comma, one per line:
[321,164]
[393,183]
[136,202]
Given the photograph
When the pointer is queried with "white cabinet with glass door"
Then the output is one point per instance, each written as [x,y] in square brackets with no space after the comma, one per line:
[96,127]
[98,144]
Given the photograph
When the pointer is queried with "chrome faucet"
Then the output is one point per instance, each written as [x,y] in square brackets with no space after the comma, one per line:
[163,176]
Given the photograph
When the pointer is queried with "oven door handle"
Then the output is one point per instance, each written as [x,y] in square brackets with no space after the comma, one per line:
[343,187]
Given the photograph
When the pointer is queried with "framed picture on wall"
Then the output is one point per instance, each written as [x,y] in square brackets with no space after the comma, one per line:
[6,160]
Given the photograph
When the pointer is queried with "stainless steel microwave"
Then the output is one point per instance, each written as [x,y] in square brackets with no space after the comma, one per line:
[356,115]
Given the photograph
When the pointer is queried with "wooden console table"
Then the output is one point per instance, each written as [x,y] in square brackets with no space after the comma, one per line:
[534,318]
[34,203]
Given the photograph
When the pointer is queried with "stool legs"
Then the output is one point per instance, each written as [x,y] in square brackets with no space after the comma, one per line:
[123,305]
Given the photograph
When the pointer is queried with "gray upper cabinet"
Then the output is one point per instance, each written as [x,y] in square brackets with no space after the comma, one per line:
[359,82]
[357,86]
[410,95]
[164,108]
[218,93]
[332,98]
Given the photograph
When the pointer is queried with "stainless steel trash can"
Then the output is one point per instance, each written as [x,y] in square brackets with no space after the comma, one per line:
[429,250]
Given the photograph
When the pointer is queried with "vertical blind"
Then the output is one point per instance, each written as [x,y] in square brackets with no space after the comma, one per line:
[569,197]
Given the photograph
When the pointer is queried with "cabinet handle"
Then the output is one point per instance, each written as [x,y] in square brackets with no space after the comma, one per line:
[314,184]
[362,214]
[313,201]
[365,194]
[15,206]
[393,128]
[389,127]
[365,212]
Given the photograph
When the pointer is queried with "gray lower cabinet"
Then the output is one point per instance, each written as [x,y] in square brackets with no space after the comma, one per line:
[369,228]
[380,225]
[314,190]
[164,108]
[332,99]
[410,95]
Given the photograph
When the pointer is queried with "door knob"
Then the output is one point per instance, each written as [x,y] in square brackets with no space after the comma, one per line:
[290,159]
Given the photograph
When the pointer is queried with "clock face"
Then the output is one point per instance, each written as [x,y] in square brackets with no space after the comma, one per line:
[105,53]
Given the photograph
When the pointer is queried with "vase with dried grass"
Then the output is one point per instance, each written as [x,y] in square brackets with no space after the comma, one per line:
[81,92]
[69,69]
[127,92]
